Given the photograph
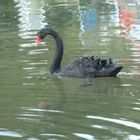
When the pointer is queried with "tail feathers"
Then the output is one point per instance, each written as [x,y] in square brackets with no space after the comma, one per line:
[116,71]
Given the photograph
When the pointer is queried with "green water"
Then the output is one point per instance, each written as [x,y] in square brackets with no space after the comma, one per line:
[35,105]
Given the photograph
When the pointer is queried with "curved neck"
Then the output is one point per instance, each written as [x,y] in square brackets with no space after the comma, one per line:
[56,64]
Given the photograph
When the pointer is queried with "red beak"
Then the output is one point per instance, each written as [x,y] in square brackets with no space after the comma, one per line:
[38,40]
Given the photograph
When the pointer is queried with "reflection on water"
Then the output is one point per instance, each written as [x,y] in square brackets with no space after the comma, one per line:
[85,136]
[117,121]
[10,134]
[129,17]
[87,22]
[121,22]
[30,16]
[36,105]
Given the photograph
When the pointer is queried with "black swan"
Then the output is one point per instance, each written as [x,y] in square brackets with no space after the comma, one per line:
[88,66]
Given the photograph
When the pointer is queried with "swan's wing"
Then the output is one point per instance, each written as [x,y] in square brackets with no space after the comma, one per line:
[93,63]
[88,66]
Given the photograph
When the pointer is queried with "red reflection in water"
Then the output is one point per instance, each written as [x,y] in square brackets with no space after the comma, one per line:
[42,104]
[127,18]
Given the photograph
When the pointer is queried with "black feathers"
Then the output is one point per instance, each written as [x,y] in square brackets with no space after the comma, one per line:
[89,66]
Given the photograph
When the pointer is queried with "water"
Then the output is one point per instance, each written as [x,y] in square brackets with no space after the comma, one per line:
[35,105]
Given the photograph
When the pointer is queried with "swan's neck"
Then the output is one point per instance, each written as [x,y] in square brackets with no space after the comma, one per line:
[56,64]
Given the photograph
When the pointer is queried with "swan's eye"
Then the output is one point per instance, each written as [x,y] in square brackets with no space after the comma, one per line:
[42,35]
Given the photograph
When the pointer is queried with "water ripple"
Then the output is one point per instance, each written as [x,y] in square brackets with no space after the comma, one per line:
[7,133]
[25,45]
[99,127]
[85,136]
[137,106]
[53,135]
[133,137]
[37,51]
[34,114]
[117,121]
[129,74]
[44,110]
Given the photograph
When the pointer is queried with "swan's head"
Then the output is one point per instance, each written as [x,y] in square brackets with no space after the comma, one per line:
[42,34]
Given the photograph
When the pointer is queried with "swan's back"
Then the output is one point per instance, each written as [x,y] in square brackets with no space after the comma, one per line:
[91,66]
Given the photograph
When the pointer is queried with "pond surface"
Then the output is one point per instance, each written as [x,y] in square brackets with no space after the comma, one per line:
[35,105]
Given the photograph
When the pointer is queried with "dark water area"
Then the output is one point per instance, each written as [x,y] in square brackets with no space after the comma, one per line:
[36,105]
